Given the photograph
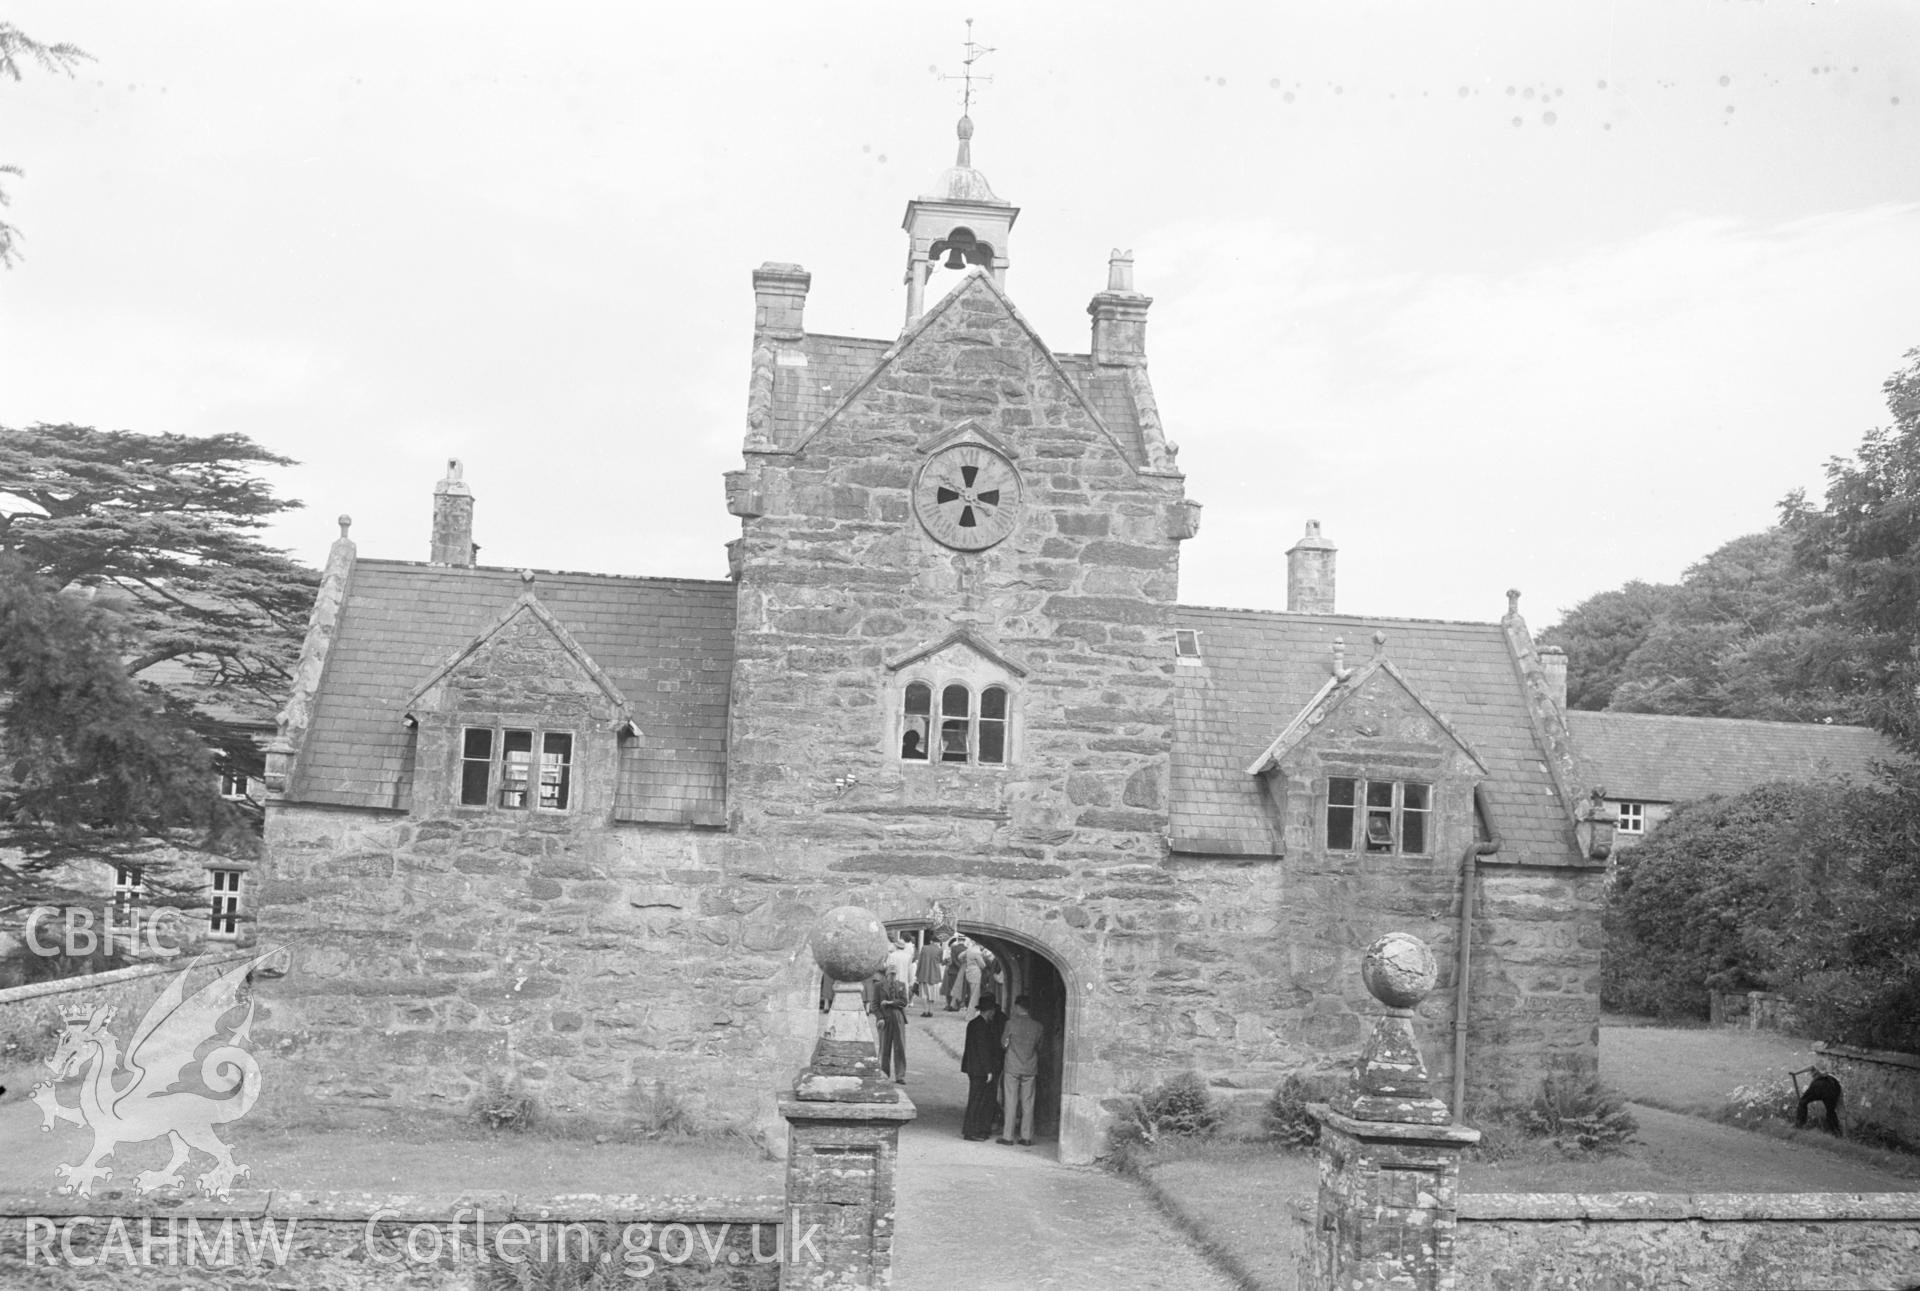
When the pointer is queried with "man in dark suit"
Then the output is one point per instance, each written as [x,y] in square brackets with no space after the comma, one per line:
[981,1061]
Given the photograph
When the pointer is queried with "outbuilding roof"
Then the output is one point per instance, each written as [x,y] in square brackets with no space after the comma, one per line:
[1651,757]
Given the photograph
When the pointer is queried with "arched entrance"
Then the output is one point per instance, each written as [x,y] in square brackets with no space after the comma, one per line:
[1027,968]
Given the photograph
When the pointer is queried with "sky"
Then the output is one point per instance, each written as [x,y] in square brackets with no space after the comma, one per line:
[1533,294]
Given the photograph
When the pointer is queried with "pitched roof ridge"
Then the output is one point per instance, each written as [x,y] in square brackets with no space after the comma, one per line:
[516,570]
[1334,618]
[845,336]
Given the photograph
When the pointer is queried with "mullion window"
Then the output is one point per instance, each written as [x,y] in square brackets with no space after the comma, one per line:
[223,917]
[1379,817]
[516,768]
[959,726]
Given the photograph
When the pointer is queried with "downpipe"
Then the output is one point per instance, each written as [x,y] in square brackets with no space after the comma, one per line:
[1483,803]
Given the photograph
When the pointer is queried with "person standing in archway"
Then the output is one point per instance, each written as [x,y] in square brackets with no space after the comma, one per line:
[981,1062]
[950,980]
[973,973]
[927,973]
[887,1001]
[1021,1068]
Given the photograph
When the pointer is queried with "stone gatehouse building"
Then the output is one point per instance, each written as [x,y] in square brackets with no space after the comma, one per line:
[578,826]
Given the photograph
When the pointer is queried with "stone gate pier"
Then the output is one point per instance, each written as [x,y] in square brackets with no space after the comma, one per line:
[843,1126]
[1389,1150]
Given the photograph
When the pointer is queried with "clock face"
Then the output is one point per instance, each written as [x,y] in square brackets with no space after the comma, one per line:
[968,496]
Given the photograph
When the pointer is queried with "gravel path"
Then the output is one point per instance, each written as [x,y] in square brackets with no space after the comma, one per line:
[981,1217]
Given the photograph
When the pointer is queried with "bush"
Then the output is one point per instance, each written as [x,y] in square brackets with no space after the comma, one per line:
[1579,1115]
[1287,1120]
[504,1103]
[1688,909]
[1750,1106]
[1180,1107]
[661,1113]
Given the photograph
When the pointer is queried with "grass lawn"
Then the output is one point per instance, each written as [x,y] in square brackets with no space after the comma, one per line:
[1232,1198]
[380,1151]
[1694,1069]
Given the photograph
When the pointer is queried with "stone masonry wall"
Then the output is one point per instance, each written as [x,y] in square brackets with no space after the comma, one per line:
[1534,1003]
[367,1242]
[1878,1087]
[595,960]
[1717,1242]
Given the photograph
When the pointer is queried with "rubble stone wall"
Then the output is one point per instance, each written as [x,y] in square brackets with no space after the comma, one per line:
[1714,1242]
[367,1242]
[1877,1087]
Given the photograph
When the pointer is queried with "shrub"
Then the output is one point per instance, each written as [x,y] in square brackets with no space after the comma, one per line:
[661,1113]
[1179,1107]
[503,1102]
[1287,1120]
[1579,1115]
[1749,1106]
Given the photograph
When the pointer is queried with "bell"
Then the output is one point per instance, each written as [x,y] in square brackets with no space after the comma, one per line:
[954,259]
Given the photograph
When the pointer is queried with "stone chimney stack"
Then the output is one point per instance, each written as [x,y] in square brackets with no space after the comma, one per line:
[453,519]
[779,302]
[1310,573]
[1553,662]
[1119,315]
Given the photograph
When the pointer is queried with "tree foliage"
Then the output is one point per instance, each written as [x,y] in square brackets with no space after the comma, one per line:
[91,767]
[1814,619]
[1812,890]
[19,51]
[163,528]
[1689,910]
[1865,544]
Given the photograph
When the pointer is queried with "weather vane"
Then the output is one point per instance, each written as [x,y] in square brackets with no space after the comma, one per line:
[974,54]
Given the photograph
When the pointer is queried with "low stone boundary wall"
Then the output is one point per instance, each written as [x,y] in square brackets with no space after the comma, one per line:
[1707,1241]
[1876,1086]
[362,1241]
[1751,1011]
[30,1015]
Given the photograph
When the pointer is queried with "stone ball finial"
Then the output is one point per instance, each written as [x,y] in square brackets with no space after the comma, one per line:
[849,944]
[346,523]
[1399,970]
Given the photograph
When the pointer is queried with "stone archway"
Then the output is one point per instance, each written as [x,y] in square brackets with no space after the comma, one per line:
[1054,976]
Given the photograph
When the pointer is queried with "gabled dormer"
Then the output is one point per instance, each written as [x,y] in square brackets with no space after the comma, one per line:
[519,720]
[1369,768]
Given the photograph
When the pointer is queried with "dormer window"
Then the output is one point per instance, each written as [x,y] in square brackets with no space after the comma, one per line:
[1384,817]
[500,768]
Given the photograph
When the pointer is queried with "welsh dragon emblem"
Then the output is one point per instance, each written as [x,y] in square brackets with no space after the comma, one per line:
[183,1073]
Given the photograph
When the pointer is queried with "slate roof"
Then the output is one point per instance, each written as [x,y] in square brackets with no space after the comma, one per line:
[1647,757]
[802,395]
[1258,669]
[667,643]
